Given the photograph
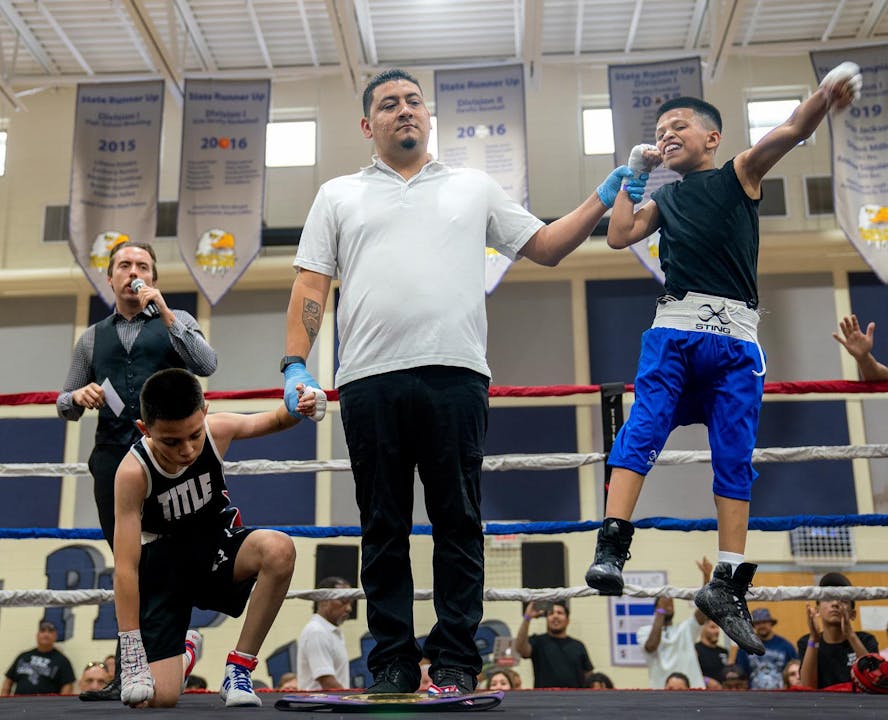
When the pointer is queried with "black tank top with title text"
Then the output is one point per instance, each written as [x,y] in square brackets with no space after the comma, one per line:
[194,499]
[709,236]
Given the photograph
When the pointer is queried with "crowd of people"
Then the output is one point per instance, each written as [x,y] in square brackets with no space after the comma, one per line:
[160,488]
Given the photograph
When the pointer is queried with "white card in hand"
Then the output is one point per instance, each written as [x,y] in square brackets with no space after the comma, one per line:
[112,399]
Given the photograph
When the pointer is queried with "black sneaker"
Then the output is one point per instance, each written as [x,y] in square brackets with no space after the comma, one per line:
[394,679]
[111,691]
[453,680]
[611,552]
[723,600]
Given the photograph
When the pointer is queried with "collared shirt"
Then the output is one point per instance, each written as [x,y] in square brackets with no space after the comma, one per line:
[411,255]
[185,336]
[321,651]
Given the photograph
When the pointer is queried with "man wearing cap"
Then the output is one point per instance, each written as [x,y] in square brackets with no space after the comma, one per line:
[830,648]
[42,669]
[765,672]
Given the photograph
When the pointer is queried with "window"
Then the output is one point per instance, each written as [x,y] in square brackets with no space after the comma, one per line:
[291,144]
[762,116]
[3,134]
[773,203]
[819,195]
[598,131]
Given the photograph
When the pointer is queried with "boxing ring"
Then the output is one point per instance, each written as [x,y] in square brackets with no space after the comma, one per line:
[518,703]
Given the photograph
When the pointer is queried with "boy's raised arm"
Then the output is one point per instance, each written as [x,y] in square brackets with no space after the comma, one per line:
[839,88]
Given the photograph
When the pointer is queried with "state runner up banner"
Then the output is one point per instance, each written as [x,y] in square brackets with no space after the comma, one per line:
[636,92]
[222,180]
[860,155]
[482,125]
[114,173]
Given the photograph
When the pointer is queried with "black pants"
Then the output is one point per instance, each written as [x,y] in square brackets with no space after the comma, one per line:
[103,463]
[433,418]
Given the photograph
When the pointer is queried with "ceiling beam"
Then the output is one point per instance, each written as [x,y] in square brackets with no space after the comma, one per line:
[633,25]
[877,9]
[195,34]
[162,57]
[306,28]
[578,28]
[63,36]
[365,28]
[695,27]
[532,45]
[257,32]
[725,22]
[21,27]
[346,35]
[753,23]
[837,13]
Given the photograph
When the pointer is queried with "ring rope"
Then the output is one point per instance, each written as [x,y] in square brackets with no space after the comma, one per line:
[493,463]
[69,598]
[771,388]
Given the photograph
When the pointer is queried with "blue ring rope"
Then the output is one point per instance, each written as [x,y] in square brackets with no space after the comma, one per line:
[767,524]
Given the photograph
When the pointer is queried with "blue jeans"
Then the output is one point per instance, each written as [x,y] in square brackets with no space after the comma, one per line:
[435,419]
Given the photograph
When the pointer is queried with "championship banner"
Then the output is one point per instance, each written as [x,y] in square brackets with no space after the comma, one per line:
[636,92]
[628,614]
[222,180]
[859,152]
[481,125]
[114,173]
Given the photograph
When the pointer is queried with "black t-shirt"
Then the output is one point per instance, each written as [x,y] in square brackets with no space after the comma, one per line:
[712,660]
[709,235]
[35,672]
[558,662]
[834,659]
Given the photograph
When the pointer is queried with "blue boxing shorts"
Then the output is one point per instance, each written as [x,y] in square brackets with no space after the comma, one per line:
[700,363]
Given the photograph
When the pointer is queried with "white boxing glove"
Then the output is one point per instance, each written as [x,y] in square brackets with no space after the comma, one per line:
[847,72]
[644,158]
[136,681]
[320,403]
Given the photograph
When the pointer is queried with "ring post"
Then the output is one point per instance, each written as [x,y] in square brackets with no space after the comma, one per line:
[611,422]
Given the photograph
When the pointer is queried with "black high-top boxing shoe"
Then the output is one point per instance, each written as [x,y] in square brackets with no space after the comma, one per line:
[611,552]
[723,600]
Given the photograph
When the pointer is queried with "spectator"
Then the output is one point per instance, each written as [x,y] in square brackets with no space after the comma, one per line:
[94,677]
[733,677]
[831,645]
[196,682]
[669,649]
[884,653]
[713,683]
[322,661]
[791,676]
[44,669]
[500,678]
[110,663]
[558,659]
[600,681]
[765,671]
[860,346]
[288,683]
[677,681]
[711,656]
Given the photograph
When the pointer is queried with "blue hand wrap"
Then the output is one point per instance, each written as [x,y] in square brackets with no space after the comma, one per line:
[295,374]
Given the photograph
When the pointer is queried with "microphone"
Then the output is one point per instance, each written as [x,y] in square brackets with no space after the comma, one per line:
[151,307]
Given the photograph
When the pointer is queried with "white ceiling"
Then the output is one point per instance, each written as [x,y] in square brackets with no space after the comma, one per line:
[50,43]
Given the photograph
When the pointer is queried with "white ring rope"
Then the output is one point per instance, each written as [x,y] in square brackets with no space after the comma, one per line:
[68,598]
[550,461]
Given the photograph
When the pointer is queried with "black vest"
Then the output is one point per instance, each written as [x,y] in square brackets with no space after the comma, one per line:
[191,501]
[128,371]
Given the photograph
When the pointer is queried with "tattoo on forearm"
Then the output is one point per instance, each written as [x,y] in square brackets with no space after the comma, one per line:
[311,318]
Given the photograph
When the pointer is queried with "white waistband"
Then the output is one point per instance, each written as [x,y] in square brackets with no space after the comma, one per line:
[710,314]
